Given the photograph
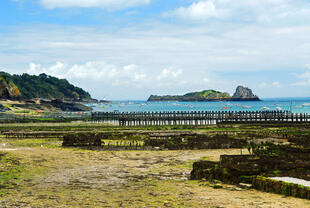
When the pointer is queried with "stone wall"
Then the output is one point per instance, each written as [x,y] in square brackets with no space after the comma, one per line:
[279,187]
[254,169]
[81,140]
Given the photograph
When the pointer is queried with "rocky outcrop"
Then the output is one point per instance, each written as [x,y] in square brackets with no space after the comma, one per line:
[241,94]
[69,106]
[8,90]
[54,105]
[244,93]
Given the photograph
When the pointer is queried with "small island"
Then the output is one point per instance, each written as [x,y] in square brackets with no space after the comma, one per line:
[241,94]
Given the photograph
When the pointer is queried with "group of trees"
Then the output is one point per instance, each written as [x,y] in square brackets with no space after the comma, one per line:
[45,86]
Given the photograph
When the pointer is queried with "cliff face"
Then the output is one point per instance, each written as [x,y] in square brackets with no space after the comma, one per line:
[244,93]
[8,89]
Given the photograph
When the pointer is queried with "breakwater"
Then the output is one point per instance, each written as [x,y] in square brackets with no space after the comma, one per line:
[197,117]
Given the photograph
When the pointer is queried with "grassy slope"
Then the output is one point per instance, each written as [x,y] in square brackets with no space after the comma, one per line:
[209,94]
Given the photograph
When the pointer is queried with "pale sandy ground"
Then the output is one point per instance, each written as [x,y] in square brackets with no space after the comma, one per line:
[75,178]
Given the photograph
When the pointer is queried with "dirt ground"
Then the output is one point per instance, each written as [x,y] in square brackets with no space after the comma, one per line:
[57,177]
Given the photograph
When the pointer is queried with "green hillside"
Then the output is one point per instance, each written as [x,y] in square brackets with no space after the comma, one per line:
[209,94]
[42,86]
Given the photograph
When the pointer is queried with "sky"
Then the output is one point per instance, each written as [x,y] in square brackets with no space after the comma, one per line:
[130,49]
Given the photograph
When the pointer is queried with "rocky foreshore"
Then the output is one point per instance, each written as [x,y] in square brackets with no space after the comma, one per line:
[42,105]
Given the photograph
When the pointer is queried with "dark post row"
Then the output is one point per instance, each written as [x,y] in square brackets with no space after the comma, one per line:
[197,117]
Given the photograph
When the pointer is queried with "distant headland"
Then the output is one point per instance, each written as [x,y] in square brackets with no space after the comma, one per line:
[241,94]
[40,93]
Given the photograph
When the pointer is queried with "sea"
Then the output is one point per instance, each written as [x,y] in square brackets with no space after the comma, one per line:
[295,105]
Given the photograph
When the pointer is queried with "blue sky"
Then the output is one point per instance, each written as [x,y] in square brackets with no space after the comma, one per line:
[129,49]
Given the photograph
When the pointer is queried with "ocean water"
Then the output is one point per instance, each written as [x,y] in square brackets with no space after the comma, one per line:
[296,105]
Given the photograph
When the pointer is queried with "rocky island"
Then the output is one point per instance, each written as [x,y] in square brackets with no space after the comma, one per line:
[41,93]
[241,94]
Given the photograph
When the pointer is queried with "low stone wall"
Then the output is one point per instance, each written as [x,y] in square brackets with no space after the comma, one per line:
[155,140]
[255,170]
[196,141]
[81,140]
[234,169]
[280,187]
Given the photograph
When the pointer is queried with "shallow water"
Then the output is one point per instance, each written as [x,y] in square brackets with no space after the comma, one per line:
[296,105]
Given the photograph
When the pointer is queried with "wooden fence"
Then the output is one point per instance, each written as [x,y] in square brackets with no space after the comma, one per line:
[197,117]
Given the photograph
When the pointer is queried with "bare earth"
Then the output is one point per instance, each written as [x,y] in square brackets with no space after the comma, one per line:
[78,178]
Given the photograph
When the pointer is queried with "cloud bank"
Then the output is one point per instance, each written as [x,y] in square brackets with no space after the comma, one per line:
[109,76]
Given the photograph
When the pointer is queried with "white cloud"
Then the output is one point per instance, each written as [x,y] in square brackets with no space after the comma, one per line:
[169,73]
[305,75]
[276,84]
[260,11]
[106,4]
[304,78]
[301,83]
[109,76]
[201,10]
[263,85]
[206,80]
[94,71]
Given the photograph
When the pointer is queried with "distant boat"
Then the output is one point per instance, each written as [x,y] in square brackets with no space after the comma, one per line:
[278,108]
[298,106]
[225,108]
[189,106]
[265,108]
[176,104]
[246,106]
[306,104]
[101,107]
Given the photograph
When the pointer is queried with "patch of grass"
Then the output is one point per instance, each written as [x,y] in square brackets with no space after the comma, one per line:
[10,172]
[205,158]
[152,193]
[47,143]
[7,106]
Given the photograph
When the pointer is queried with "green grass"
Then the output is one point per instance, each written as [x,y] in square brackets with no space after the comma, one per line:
[47,143]
[10,172]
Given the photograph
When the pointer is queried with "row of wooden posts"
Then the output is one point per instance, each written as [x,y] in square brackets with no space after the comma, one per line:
[196,117]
